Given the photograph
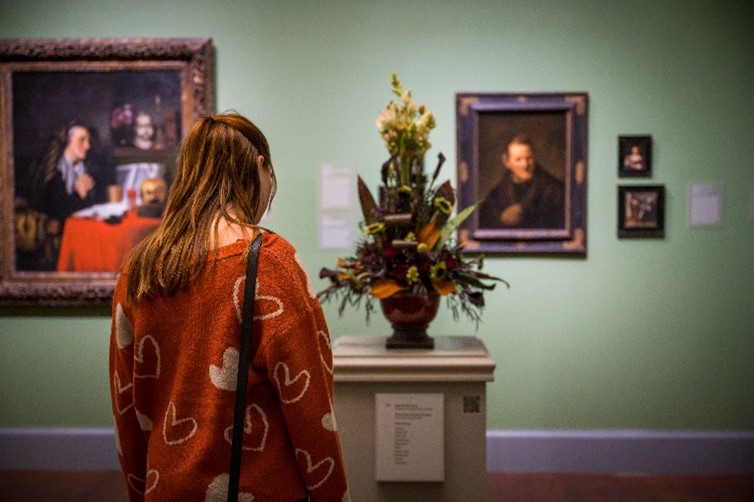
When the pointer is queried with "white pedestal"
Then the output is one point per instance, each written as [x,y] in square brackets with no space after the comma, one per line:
[457,369]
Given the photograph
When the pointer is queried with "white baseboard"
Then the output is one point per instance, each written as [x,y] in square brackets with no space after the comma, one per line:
[620,451]
[598,452]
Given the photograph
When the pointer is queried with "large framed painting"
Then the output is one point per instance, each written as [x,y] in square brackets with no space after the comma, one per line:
[523,159]
[89,133]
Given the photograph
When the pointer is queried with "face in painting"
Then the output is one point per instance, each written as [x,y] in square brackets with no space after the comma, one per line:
[78,144]
[520,160]
[154,191]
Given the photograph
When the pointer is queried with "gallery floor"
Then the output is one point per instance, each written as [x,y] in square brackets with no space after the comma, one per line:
[108,486]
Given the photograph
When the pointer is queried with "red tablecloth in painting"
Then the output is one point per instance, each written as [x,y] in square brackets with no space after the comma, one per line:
[90,245]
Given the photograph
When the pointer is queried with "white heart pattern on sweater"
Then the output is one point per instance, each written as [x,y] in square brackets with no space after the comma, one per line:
[217,491]
[144,486]
[124,329]
[319,471]
[225,376]
[145,423]
[260,304]
[328,422]
[323,340]
[291,389]
[118,447]
[255,420]
[177,431]
[148,357]
[123,398]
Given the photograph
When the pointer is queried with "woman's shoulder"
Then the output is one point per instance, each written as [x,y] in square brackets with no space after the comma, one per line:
[277,254]
[271,243]
[282,257]
[278,246]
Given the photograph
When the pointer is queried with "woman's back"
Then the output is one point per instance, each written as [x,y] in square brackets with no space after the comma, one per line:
[175,340]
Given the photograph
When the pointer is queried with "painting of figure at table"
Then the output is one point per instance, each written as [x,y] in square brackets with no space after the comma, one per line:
[76,194]
[93,157]
[69,175]
[100,237]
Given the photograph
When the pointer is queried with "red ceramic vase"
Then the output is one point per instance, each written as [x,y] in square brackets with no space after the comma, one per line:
[409,315]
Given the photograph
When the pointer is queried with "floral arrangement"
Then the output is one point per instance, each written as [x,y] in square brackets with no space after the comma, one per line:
[408,241]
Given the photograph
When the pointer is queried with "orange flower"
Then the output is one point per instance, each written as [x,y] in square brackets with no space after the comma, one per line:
[429,234]
[444,287]
[384,288]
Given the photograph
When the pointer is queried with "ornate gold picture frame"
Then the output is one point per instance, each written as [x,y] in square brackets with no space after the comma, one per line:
[104,93]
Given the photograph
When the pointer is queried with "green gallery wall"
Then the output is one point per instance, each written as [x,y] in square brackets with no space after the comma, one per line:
[640,334]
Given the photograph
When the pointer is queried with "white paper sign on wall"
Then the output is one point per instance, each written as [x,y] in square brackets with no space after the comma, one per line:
[706,204]
[336,207]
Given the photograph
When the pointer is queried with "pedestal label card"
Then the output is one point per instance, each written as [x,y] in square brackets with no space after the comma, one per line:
[410,437]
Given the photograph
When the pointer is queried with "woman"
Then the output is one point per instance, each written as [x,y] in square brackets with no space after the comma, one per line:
[176,334]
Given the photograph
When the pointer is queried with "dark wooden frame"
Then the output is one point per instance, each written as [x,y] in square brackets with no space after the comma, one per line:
[190,58]
[563,116]
[635,223]
[625,143]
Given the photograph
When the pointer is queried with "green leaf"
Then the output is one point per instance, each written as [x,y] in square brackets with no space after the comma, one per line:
[452,225]
[474,281]
[487,277]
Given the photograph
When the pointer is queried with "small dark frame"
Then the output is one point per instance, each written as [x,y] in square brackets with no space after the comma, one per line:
[634,156]
[641,211]
[551,214]
[46,83]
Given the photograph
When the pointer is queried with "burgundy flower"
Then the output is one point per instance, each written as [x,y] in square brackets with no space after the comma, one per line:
[475,297]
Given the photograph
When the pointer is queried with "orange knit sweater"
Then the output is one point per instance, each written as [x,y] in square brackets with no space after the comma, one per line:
[173,363]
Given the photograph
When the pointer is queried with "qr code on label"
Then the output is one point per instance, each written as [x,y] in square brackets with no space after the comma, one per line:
[472,404]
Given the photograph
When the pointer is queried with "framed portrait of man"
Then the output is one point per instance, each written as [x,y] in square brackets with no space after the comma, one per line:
[522,161]
[90,132]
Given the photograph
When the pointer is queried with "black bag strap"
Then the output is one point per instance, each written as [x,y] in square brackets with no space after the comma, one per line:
[244,355]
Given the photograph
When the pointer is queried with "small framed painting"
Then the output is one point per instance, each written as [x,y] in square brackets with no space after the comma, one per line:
[635,156]
[641,211]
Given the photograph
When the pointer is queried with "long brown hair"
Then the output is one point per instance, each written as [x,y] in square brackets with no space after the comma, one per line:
[217,176]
